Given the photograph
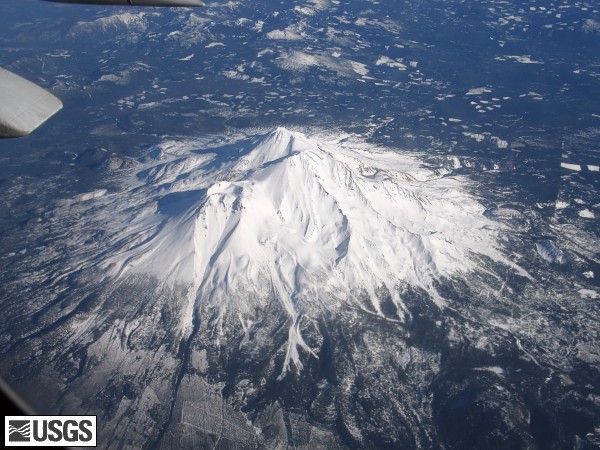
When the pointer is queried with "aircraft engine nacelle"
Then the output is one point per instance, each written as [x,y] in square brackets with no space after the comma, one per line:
[184,3]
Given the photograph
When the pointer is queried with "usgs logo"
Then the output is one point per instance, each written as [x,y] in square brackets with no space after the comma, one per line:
[50,431]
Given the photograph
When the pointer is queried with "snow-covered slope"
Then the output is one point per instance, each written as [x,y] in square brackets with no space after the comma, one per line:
[317,224]
[126,24]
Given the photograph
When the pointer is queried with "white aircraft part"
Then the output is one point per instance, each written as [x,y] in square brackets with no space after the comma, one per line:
[24,106]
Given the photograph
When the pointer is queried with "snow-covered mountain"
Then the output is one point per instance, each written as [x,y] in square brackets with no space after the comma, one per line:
[281,289]
[126,24]
[317,224]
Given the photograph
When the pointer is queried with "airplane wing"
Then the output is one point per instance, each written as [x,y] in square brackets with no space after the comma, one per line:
[184,3]
[24,106]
